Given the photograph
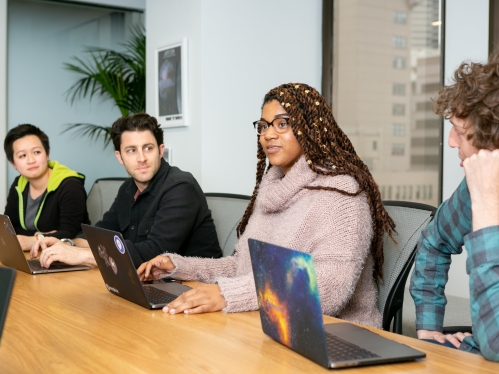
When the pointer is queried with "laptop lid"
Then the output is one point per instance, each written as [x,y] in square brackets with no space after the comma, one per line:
[12,255]
[290,310]
[7,277]
[288,299]
[117,268]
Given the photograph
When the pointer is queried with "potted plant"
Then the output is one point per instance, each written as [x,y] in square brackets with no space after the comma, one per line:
[119,76]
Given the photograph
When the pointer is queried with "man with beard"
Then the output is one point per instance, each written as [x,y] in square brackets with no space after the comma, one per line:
[159,209]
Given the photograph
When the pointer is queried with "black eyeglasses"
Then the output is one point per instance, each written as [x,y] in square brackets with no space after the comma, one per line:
[281,126]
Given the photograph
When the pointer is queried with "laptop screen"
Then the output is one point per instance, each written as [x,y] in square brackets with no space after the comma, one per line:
[288,298]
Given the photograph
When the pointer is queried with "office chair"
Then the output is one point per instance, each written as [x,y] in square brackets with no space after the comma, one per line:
[101,197]
[226,211]
[410,219]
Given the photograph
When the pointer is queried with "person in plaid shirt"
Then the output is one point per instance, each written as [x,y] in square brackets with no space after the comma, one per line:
[470,217]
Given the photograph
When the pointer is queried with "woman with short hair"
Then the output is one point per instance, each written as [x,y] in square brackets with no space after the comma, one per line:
[47,198]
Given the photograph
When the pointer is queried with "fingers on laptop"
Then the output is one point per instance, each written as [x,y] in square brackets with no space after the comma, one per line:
[203,299]
[42,244]
[156,268]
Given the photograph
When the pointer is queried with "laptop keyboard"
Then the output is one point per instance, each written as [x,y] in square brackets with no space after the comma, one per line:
[157,296]
[341,350]
[34,265]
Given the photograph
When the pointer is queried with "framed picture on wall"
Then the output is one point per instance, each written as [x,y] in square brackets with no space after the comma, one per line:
[172,85]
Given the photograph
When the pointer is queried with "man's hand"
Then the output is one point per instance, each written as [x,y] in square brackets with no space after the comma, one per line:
[454,339]
[55,250]
[203,299]
[157,268]
[482,178]
[44,243]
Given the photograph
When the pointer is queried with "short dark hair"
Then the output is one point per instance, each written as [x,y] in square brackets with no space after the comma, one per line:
[19,132]
[474,95]
[135,122]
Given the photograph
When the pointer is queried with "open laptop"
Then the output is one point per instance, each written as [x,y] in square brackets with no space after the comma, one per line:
[291,313]
[12,255]
[119,273]
[7,277]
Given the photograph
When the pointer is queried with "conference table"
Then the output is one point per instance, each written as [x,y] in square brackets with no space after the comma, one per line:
[69,323]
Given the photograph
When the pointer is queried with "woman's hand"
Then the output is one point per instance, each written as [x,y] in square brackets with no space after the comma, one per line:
[456,339]
[26,242]
[203,299]
[157,268]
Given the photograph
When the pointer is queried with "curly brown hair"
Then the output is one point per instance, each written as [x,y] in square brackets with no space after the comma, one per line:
[474,96]
[328,151]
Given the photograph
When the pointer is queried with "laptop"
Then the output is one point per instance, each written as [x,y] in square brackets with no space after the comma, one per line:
[7,277]
[12,255]
[291,313]
[119,273]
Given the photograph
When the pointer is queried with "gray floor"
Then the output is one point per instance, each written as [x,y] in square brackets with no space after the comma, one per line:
[457,313]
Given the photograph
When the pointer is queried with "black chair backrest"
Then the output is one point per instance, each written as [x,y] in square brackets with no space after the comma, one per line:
[410,219]
[226,211]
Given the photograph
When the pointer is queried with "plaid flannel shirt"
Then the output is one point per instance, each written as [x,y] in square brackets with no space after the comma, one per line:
[445,235]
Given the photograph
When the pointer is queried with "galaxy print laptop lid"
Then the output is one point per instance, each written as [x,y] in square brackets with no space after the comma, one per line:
[291,313]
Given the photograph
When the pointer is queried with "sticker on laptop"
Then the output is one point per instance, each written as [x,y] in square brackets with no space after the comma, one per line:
[103,254]
[119,244]
[113,265]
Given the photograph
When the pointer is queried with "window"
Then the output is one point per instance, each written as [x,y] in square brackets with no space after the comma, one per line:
[395,61]
[398,129]
[431,87]
[424,107]
[398,89]
[398,109]
[399,42]
[398,149]
[399,62]
[400,17]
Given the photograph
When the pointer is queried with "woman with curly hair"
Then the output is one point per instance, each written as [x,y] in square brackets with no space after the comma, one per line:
[314,195]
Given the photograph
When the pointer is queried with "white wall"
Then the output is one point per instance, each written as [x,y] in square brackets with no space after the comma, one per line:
[466,38]
[167,22]
[238,51]
[3,95]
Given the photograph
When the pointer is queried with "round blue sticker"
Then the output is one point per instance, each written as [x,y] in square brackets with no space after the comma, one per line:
[119,244]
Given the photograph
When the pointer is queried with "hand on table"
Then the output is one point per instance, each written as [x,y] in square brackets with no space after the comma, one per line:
[454,339]
[202,299]
[26,242]
[482,178]
[157,268]
[55,250]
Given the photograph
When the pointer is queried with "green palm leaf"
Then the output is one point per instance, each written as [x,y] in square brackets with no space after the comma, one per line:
[111,75]
[90,130]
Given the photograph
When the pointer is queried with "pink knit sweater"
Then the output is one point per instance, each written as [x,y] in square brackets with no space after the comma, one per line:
[334,228]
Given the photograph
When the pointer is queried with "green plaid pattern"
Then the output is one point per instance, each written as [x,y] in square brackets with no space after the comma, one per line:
[445,236]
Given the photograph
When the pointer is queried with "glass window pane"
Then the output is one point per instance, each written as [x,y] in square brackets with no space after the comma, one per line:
[387,61]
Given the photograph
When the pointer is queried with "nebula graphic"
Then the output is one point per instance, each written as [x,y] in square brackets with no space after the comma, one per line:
[288,296]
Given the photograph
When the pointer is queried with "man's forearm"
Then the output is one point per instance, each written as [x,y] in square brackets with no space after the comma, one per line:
[80,242]
[86,256]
